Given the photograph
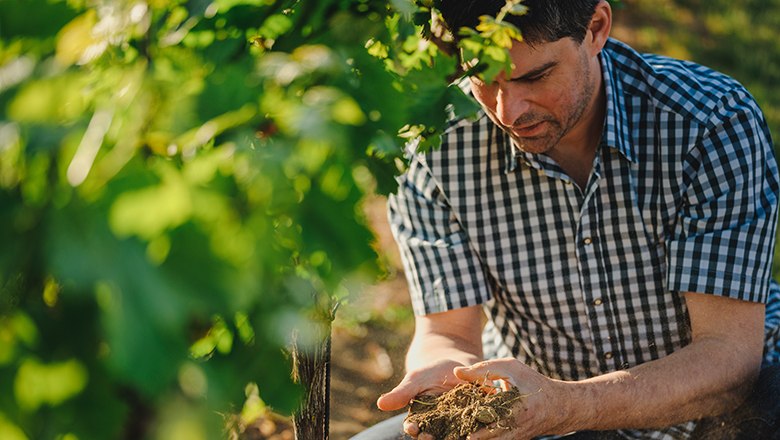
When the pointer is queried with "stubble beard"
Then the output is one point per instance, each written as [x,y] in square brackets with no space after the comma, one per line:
[540,144]
[556,130]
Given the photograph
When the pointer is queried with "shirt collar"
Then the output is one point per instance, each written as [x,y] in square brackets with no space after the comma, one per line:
[615,133]
[616,125]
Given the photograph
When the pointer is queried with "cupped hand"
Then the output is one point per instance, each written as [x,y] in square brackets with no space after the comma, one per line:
[542,410]
[434,379]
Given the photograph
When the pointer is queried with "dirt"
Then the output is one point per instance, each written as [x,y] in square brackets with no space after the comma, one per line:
[463,410]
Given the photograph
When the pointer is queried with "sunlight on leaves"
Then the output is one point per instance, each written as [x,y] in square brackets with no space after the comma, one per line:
[51,292]
[15,330]
[244,327]
[254,407]
[151,211]
[9,431]
[346,111]
[33,102]
[219,338]
[487,46]
[76,42]
[39,384]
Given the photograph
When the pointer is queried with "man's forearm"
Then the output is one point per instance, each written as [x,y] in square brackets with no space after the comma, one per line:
[699,380]
[709,376]
[442,341]
[431,348]
[453,335]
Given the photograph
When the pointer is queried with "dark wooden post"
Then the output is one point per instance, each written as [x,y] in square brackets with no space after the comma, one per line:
[311,368]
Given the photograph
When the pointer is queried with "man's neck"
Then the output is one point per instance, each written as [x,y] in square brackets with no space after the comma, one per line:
[576,151]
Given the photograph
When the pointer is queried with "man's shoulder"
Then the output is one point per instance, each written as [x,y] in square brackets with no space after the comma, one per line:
[680,86]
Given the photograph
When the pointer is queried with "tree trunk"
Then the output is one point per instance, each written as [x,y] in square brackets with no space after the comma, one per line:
[311,368]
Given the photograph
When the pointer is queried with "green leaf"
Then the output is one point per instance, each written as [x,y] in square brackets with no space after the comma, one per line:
[77,38]
[149,212]
[9,431]
[518,9]
[37,384]
[32,103]
[463,105]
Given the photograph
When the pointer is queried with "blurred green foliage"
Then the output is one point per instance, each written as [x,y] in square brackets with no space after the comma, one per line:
[180,185]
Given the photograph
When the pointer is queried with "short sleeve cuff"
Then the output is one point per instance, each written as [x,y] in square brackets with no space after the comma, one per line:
[443,276]
[713,263]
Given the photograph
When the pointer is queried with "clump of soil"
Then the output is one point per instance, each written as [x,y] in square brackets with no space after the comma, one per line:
[463,410]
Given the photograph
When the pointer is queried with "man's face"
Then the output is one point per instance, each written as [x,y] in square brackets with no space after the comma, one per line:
[543,100]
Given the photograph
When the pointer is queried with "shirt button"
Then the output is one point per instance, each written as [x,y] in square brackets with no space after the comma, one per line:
[608,355]
[587,241]
[598,302]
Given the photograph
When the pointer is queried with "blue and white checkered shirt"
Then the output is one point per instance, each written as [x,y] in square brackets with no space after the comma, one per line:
[580,282]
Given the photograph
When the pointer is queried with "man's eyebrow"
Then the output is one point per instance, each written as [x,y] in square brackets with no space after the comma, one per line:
[535,72]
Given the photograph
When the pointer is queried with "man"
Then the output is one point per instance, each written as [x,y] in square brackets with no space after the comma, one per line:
[614,214]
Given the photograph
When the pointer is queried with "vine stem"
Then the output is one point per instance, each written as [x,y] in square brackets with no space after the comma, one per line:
[312,369]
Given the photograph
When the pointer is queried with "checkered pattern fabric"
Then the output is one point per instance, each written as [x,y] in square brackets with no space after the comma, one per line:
[579,282]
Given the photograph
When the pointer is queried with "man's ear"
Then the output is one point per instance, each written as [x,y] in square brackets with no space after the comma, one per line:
[599,27]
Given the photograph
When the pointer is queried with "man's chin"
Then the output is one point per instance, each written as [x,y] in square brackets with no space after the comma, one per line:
[537,145]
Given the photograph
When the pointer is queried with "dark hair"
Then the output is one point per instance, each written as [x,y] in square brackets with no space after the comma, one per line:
[546,20]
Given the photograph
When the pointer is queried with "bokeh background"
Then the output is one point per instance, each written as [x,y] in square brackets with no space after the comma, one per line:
[184,184]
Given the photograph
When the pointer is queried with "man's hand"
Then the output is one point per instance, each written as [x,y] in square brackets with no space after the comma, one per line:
[543,410]
[434,380]
[442,341]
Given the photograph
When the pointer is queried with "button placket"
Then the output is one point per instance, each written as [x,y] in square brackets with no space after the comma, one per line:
[591,280]
[587,241]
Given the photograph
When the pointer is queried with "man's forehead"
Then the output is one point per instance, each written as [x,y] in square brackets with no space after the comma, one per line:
[526,58]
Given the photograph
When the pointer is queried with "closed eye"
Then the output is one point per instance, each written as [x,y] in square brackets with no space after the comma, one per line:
[534,78]
[537,74]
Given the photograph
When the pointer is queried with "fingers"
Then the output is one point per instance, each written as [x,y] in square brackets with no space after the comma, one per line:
[433,380]
[398,397]
[499,369]
[412,429]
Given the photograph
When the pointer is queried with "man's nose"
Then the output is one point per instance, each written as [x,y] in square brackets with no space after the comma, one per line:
[510,105]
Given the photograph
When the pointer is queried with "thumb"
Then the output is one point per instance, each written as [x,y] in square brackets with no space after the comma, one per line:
[487,370]
[398,397]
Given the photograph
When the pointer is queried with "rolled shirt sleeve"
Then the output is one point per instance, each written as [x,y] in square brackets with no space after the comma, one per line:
[725,233]
[442,270]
